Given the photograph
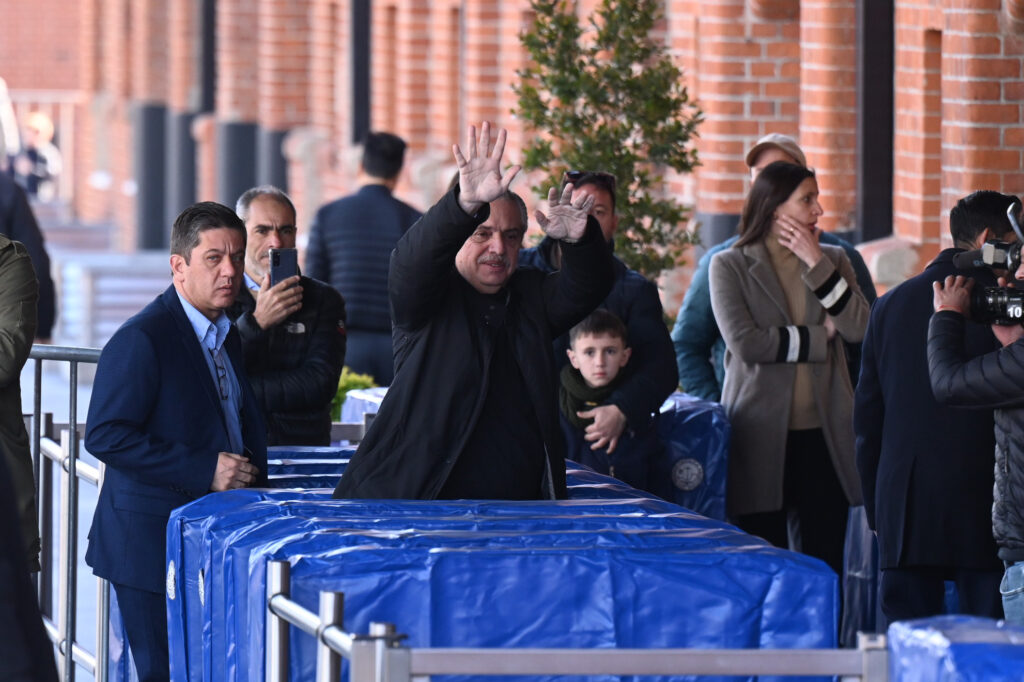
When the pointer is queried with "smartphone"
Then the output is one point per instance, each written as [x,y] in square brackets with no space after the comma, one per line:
[284,263]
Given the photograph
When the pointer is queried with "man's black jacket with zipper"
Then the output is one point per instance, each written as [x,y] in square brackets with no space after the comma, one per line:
[294,366]
[441,378]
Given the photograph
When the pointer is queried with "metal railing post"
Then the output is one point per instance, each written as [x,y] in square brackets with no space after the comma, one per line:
[332,614]
[102,629]
[876,657]
[45,506]
[68,568]
[278,584]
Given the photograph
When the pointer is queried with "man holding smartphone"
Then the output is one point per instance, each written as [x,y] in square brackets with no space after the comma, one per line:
[292,327]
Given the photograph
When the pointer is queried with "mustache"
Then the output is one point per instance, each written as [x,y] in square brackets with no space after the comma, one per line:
[487,260]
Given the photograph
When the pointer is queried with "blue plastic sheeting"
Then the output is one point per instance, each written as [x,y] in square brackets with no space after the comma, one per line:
[696,457]
[360,401]
[695,433]
[860,582]
[581,573]
[955,649]
[306,466]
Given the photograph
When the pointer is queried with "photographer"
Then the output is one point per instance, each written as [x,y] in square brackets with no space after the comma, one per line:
[990,381]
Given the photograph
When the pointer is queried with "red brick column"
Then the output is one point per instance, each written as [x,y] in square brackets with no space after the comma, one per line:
[445,76]
[828,104]
[748,84]
[483,74]
[982,93]
[918,129]
[383,65]
[411,105]
[283,74]
[237,60]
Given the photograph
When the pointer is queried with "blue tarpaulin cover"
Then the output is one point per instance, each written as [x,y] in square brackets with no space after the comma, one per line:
[695,459]
[955,649]
[696,456]
[616,571]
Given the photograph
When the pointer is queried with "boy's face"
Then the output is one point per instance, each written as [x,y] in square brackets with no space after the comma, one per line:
[598,357]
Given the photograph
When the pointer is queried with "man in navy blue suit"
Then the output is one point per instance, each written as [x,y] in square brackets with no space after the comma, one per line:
[173,417]
[925,468]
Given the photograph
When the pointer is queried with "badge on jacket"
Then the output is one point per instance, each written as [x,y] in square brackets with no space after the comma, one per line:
[295,328]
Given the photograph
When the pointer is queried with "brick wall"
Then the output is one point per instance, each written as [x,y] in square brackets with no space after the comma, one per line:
[755,66]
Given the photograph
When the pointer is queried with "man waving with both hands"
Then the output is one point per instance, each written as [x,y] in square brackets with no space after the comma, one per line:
[472,412]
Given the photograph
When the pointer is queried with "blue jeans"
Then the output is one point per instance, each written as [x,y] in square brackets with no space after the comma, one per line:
[1012,589]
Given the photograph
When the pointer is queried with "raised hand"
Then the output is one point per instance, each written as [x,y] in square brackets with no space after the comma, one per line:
[480,178]
[275,303]
[566,217]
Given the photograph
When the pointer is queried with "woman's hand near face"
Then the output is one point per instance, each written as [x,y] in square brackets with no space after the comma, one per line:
[799,239]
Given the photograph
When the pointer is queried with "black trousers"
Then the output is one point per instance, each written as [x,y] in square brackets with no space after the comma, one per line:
[814,507]
[919,592]
[144,615]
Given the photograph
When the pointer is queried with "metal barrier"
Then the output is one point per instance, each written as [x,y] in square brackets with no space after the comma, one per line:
[60,443]
[379,656]
[66,453]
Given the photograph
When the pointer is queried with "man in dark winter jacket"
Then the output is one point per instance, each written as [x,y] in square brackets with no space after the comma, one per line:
[472,411]
[635,301]
[350,244]
[293,333]
[925,468]
[992,381]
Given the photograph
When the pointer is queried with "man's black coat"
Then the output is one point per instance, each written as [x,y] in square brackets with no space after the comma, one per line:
[441,363]
[294,367]
[926,469]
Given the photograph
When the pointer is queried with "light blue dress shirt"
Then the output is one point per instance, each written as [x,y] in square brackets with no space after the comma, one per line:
[211,337]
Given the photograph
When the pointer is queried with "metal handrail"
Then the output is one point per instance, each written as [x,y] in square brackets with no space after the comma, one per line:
[380,657]
[66,454]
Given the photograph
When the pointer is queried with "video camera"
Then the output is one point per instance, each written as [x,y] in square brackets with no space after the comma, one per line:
[997,305]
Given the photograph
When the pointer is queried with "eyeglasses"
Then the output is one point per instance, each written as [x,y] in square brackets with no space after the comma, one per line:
[222,374]
[599,178]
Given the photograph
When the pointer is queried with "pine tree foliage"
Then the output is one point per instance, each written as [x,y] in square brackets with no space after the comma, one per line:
[605,95]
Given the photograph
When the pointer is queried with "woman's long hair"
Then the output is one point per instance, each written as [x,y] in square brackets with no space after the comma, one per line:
[772,187]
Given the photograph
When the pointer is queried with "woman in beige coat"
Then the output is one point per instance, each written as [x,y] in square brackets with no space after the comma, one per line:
[785,304]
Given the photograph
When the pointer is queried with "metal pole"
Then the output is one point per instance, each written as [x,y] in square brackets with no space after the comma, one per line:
[34,436]
[72,539]
[332,614]
[278,583]
[45,483]
[876,657]
[66,590]
[102,630]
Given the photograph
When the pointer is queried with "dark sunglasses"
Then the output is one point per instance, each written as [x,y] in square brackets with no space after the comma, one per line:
[599,178]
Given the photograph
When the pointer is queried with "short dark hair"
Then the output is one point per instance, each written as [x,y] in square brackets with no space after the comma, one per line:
[250,195]
[600,321]
[979,210]
[383,155]
[206,215]
[599,179]
[771,188]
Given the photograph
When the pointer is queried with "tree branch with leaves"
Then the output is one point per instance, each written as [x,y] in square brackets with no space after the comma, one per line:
[605,95]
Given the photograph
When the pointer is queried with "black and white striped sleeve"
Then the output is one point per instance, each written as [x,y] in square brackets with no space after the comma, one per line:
[834,294]
[794,344]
